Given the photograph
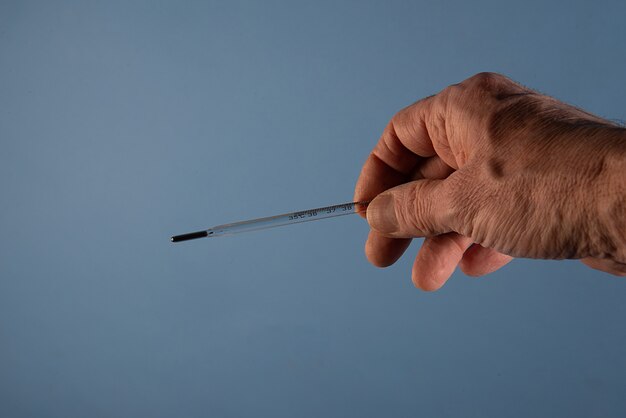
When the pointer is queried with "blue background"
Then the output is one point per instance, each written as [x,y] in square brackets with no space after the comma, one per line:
[122,123]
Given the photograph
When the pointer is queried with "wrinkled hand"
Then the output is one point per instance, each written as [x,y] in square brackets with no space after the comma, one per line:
[487,170]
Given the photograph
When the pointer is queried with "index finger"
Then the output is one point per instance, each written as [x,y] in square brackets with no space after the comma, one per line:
[404,143]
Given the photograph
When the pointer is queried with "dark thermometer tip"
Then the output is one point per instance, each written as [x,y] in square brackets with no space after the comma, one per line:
[187,237]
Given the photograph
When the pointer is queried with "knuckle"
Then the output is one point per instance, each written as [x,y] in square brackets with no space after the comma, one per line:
[485,78]
[486,81]
[396,123]
[393,121]
[420,208]
[397,116]
[451,91]
[461,205]
[409,212]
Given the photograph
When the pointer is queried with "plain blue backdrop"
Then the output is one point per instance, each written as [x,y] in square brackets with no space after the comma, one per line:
[122,123]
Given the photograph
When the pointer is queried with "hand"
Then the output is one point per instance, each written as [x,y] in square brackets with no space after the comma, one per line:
[487,170]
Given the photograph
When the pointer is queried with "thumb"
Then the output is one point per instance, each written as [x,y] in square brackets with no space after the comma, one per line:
[416,209]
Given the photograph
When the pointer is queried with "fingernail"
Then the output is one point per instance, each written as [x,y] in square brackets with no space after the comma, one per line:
[381,214]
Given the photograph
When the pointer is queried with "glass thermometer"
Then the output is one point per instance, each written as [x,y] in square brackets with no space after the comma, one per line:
[277,220]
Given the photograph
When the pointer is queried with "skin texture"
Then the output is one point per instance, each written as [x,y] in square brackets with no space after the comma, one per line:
[487,170]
